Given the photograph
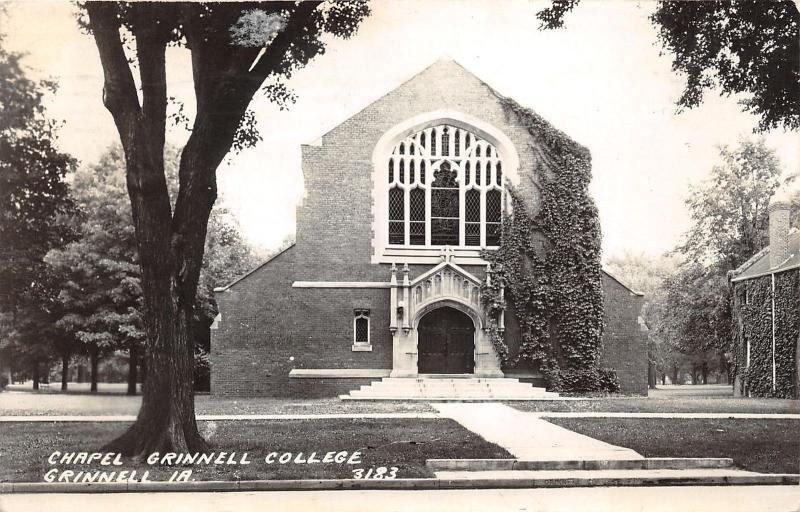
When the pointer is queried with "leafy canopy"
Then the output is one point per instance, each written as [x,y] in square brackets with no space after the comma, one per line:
[746,47]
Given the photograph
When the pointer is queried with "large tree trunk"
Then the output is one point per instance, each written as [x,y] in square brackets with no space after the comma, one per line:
[94,356]
[36,377]
[64,371]
[171,243]
[675,374]
[704,372]
[651,375]
[133,364]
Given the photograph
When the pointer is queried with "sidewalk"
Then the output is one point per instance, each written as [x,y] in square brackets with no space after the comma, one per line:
[410,415]
[527,436]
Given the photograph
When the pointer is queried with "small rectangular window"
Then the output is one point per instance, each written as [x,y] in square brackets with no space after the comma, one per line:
[361,326]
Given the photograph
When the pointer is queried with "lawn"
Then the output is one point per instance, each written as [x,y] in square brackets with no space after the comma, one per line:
[26,403]
[770,446]
[405,444]
[672,401]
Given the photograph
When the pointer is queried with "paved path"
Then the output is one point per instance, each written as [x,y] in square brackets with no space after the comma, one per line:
[407,415]
[527,436]
[613,499]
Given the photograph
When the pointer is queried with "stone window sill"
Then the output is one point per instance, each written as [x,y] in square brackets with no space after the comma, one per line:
[362,347]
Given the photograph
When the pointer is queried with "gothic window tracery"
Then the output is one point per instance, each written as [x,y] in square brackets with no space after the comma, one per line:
[445,187]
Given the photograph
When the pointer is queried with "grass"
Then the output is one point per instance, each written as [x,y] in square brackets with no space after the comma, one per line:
[406,444]
[672,400]
[55,403]
[769,446]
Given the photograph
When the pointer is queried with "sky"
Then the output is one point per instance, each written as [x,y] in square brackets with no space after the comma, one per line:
[601,80]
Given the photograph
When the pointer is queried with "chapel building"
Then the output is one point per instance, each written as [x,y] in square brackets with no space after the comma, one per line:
[385,275]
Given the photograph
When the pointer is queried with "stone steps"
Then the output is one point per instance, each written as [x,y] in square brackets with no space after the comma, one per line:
[592,473]
[448,387]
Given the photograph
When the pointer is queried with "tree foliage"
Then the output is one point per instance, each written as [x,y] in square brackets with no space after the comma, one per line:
[99,276]
[730,221]
[739,47]
[729,211]
[33,196]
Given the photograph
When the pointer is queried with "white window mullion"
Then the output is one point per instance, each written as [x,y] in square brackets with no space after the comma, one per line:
[407,210]
[428,210]
[483,216]
[462,226]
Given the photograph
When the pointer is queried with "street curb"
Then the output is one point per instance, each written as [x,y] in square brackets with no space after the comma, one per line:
[395,484]
[577,465]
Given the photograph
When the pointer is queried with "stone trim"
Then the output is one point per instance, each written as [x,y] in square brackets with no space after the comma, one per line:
[339,284]
[380,155]
[338,373]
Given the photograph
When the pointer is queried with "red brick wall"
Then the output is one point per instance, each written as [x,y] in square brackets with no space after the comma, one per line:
[334,221]
[624,344]
[268,328]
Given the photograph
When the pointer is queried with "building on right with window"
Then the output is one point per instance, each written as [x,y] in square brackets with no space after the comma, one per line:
[766,311]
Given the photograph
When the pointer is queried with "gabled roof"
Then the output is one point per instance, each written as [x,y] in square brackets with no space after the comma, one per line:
[458,68]
[227,287]
[622,283]
[759,265]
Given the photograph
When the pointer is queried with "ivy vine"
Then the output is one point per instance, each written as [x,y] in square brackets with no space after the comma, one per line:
[548,266]
[753,323]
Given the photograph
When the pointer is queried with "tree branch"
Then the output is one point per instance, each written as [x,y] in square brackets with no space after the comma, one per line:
[152,31]
[119,89]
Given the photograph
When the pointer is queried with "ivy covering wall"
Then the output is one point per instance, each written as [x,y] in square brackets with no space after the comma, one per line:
[548,266]
[753,323]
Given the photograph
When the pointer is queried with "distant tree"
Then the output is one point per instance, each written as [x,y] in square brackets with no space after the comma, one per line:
[33,196]
[100,288]
[729,211]
[746,47]
[698,316]
[101,295]
[730,220]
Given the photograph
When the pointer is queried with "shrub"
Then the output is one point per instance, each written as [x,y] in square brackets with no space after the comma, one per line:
[3,382]
[581,380]
[609,381]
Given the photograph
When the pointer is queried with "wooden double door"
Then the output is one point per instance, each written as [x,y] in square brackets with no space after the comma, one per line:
[446,342]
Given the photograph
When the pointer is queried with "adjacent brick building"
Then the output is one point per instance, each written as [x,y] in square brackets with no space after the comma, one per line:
[384,277]
[766,311]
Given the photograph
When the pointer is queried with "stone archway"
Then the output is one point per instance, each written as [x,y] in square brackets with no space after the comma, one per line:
[445,286]
[446,342]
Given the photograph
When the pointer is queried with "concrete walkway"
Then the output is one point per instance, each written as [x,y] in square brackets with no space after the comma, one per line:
[529,437]
[407,415]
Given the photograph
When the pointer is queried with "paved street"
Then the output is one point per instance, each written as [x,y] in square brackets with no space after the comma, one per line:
[617,499]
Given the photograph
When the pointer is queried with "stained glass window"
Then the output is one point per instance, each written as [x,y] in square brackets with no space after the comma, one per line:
[396,216]
[493,216]
[417,217]
[457,192]
[472,217]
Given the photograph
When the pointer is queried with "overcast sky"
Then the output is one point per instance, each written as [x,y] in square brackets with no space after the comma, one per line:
[601,80]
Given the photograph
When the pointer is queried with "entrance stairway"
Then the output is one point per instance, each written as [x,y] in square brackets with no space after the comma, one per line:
[449,387]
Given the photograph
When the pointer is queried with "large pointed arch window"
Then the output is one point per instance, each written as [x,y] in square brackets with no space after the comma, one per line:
[445,188]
